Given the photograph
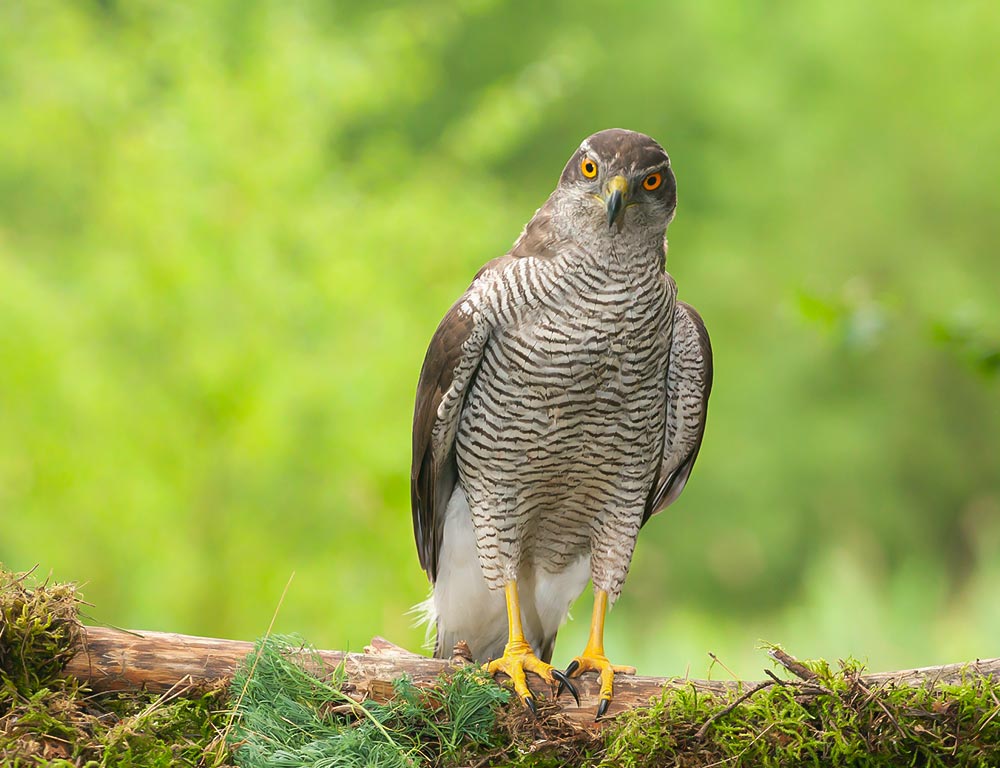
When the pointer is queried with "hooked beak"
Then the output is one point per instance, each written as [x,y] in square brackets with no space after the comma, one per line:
[615,195]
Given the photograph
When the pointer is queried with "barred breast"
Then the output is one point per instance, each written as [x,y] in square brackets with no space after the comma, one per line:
[561,435]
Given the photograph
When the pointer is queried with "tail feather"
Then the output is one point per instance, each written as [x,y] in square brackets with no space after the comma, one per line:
[423,614]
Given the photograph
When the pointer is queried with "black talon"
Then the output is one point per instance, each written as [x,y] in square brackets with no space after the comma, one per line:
[530,703]
[602,708]
[573,666]
[565,684]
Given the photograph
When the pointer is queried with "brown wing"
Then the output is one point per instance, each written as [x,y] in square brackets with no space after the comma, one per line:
[689,383]
[449,368]
[433,472]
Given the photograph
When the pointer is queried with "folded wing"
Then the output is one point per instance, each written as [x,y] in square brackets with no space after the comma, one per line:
[450,367]
[689,383]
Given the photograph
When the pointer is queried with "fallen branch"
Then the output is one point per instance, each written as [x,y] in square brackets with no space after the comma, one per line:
[119,660]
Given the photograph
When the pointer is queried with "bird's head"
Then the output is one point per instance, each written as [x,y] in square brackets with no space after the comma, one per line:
[619,181]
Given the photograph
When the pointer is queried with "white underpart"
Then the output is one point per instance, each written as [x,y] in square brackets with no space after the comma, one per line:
[554,593]
[465,608]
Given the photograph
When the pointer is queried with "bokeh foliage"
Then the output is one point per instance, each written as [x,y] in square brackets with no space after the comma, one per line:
[228,230]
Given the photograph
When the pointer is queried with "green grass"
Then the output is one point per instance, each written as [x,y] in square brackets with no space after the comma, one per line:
[286,716]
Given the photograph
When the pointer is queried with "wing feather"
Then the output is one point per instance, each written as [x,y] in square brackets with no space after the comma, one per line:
[449,369]
[689,383]
[451,363]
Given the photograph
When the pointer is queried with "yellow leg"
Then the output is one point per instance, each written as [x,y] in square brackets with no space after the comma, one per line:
[593,658]
[518,656]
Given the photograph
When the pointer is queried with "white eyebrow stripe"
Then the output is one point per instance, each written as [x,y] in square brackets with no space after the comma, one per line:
[660,167]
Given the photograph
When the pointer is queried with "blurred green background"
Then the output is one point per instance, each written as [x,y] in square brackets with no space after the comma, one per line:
[228,230]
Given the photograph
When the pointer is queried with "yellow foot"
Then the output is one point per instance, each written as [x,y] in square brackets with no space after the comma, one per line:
[517,659]
[592,662]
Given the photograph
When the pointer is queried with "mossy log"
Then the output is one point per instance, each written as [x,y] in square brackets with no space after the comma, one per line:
[120,660]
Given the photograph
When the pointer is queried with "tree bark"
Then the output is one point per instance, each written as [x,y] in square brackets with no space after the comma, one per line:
[121,660]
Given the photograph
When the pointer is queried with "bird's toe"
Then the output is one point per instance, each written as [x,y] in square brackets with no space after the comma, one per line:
[519,658]
[565,685]
[606,671]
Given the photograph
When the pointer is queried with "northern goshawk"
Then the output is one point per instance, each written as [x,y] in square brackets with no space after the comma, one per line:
[561,403]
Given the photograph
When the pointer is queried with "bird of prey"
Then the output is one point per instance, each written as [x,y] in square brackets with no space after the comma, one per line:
[561,403]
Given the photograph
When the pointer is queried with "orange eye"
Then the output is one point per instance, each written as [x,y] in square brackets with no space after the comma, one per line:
[589,168]
[652,181]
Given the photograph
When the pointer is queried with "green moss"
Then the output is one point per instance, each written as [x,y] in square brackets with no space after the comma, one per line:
[37,630]
[834,720]
[50,720]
